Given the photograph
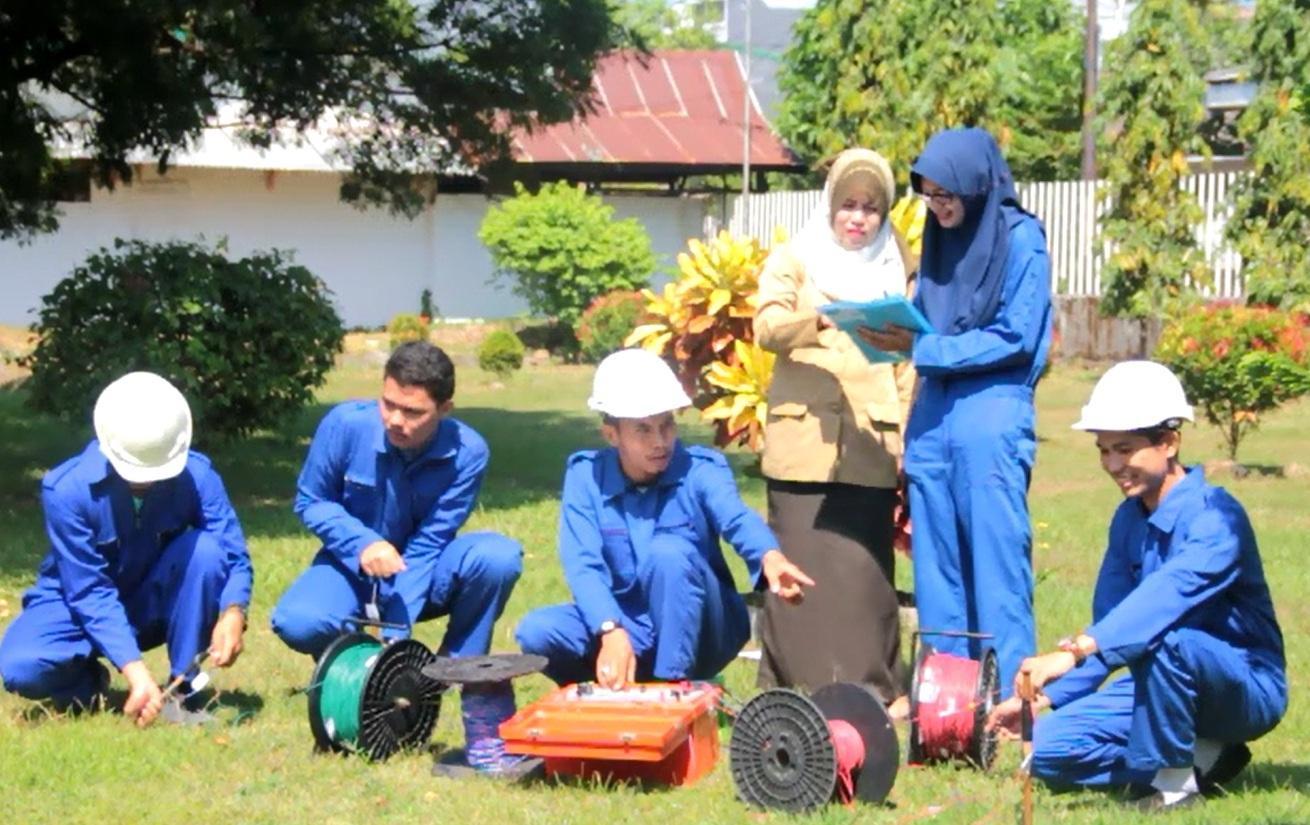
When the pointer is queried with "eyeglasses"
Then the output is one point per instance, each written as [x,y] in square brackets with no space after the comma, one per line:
[940,198]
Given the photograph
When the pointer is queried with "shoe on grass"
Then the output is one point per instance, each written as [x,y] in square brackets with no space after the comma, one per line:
[1158,802]
[179,711]
[1232,759]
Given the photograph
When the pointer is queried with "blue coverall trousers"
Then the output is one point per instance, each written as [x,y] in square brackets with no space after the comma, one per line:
[47,654]
[969,457]
[1192,685]
[684,622]
[471,581]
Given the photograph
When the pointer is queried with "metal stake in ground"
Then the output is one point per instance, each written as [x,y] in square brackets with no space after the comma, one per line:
[1026,731]
[195,665]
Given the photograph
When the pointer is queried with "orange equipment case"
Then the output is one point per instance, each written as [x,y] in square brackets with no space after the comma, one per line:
[663,732]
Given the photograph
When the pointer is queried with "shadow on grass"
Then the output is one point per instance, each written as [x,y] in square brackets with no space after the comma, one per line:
[1266,776]
[30,444]
[528,452]
[241,706]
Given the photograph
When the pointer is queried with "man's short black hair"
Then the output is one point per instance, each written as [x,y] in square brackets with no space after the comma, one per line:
[420,364]
[1157,434]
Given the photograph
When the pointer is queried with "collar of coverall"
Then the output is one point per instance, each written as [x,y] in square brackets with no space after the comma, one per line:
[1166,515]
[444,443]
[614,483]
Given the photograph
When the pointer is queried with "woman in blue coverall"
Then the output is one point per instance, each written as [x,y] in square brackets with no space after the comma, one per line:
[985,287]
[1181,603]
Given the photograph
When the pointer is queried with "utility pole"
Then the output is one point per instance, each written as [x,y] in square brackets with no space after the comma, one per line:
[746,124]
[1089,93]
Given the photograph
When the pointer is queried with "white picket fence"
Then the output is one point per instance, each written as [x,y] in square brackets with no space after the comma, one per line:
[1070,210]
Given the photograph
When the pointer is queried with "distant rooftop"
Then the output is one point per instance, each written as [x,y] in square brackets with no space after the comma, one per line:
[671,113]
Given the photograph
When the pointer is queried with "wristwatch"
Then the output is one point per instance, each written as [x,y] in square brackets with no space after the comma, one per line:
[607,626]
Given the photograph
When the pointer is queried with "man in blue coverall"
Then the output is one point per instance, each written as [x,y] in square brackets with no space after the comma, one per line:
[144,550]
[639,540]
[1181,602]
[386,486]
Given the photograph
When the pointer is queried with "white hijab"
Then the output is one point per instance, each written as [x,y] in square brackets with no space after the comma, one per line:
[873,271]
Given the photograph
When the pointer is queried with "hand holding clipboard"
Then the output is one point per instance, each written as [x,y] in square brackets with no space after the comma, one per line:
[884,328]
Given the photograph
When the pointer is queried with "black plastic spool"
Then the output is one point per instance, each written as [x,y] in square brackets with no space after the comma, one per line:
[482,670]
[782,755]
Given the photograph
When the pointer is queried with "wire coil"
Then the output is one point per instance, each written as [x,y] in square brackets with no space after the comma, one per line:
[950,699]
[372,699]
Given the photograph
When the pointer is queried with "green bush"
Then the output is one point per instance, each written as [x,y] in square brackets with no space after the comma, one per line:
[405,328]
[501,352]
[246,340]
[607,322]
[1237,362]
[562,248]
[556,338]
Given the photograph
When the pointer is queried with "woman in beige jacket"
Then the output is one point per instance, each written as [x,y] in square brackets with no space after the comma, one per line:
[832,442]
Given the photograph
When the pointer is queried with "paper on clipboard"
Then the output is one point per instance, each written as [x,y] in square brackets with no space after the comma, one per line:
[892,310]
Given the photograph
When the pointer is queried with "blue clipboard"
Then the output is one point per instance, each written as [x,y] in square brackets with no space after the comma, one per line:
[894,309]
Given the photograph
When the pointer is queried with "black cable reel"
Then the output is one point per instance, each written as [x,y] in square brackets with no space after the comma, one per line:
[795,753]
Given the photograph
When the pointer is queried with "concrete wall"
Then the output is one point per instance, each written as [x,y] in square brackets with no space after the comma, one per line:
[375,264]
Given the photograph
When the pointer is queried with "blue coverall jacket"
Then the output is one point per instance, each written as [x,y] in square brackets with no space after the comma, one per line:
[118,579]
[649,559]
[355,489]
[1182,602]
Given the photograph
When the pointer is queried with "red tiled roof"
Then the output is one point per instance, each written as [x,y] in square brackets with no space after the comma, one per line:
[671,108]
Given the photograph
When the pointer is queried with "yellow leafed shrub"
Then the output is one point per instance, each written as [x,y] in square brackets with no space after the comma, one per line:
[743,408]
[909,216]
[702,322]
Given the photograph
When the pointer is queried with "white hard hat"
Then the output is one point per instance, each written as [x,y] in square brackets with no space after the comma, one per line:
[634,383]
[1135,395]
[144,427]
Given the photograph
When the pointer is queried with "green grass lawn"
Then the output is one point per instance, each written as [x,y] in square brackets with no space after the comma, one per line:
[258,766]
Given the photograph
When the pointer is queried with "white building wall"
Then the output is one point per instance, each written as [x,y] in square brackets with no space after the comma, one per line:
[375,264]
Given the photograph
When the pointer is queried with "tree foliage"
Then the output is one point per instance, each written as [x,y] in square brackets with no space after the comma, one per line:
[656,25]
[561,247]
[1271,222]
[1151,108]
[889,73]
[246,340]
[1238,363]
[413,87]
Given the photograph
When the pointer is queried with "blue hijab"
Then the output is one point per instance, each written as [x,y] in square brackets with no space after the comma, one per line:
[962,270]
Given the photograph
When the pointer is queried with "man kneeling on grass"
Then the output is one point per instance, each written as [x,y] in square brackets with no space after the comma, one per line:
[639,540]
[145,549]
[1181,602]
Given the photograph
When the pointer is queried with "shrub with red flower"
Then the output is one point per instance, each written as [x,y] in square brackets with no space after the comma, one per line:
[1238,362]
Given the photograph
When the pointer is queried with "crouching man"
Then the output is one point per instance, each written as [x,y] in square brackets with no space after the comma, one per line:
[145,550]
[1181,603]
[639,540]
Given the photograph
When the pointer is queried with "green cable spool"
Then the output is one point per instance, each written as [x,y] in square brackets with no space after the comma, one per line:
[342,686]
[371,698]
